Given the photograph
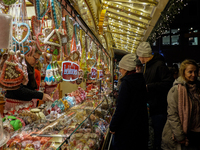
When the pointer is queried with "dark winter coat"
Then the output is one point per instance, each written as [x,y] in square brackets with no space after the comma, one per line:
[130,120]
[159,81]
[26,92]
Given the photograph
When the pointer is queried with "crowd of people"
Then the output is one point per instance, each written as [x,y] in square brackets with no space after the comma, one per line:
[173,97]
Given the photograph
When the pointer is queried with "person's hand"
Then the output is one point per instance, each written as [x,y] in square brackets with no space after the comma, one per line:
[112,132]
[46,97]
[42,84]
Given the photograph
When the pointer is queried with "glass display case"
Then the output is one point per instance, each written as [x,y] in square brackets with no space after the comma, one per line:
[83,125]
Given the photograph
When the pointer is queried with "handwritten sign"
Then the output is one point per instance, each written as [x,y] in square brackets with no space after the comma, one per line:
[70,71]
[93,73]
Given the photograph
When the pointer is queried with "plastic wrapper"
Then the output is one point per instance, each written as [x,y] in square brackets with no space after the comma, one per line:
[24,143]
[79,146]
[76,136]
[71,100]
[91,143]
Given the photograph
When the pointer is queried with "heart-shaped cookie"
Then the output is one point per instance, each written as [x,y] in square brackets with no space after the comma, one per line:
[41,7]
[21,32]
[74,56]
[91,62]
[69,27]
[40,41]
[57,13]
[36,25]
[4,8]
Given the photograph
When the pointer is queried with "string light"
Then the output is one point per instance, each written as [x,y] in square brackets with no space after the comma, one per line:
[167,17]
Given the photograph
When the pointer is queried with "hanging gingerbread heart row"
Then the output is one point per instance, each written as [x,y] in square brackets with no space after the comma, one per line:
[57,13]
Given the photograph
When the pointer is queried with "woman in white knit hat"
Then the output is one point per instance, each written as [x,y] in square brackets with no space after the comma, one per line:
[129,124]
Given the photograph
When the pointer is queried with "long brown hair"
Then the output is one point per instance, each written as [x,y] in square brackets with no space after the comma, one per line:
[184,65]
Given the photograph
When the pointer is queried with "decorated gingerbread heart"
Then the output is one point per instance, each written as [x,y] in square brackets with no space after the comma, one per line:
[57,13]
[21,32]
[36,25]
[11,75]
[41,8]
[74,56]
[40,41]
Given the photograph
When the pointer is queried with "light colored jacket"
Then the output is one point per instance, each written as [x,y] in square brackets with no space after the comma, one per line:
[173,125]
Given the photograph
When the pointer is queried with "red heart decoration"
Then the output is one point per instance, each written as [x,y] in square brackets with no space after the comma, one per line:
[36,25]
[40,42]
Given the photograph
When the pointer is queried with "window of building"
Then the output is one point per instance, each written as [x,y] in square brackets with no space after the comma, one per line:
[166,40]
[175,39]
[193,41]
[174,31]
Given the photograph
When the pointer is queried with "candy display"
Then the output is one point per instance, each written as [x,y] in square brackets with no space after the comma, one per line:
[70,58]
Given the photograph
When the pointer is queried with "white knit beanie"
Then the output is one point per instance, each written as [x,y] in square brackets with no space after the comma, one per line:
[144,50]
[128,62]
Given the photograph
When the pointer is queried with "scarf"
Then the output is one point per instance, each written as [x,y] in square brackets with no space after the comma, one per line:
[184,107]
[184,110]
[31,76]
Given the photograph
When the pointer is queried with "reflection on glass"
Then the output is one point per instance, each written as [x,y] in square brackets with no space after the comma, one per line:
[166,40]
[175,39]
[193,40]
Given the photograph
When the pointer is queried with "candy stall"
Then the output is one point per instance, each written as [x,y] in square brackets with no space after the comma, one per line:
[76,72]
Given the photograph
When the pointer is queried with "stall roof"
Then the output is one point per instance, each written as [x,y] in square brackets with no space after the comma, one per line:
[131,21]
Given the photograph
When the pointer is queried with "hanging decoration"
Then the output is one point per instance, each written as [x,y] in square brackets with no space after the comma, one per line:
[4,8]
[21,32]
[70,71]
[57,13]
[70,31]
[12,75]
[40,41]
[54,42]
[41,8]
[36,25]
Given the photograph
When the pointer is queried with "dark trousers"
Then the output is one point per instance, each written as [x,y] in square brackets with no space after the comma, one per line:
[158,122]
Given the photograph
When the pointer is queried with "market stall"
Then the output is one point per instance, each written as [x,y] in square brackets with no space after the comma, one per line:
[76,70]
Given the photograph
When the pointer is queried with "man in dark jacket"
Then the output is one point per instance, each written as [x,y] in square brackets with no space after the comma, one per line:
[158,82]
[129,123]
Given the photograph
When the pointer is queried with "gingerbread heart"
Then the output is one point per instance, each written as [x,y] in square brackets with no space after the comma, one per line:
[74,56]
[36,25]
[41,7]
[40,41]
[91,62]
[57,13]
[4,8]
[69,27]
[11,75]
[21,32]
[27,50]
